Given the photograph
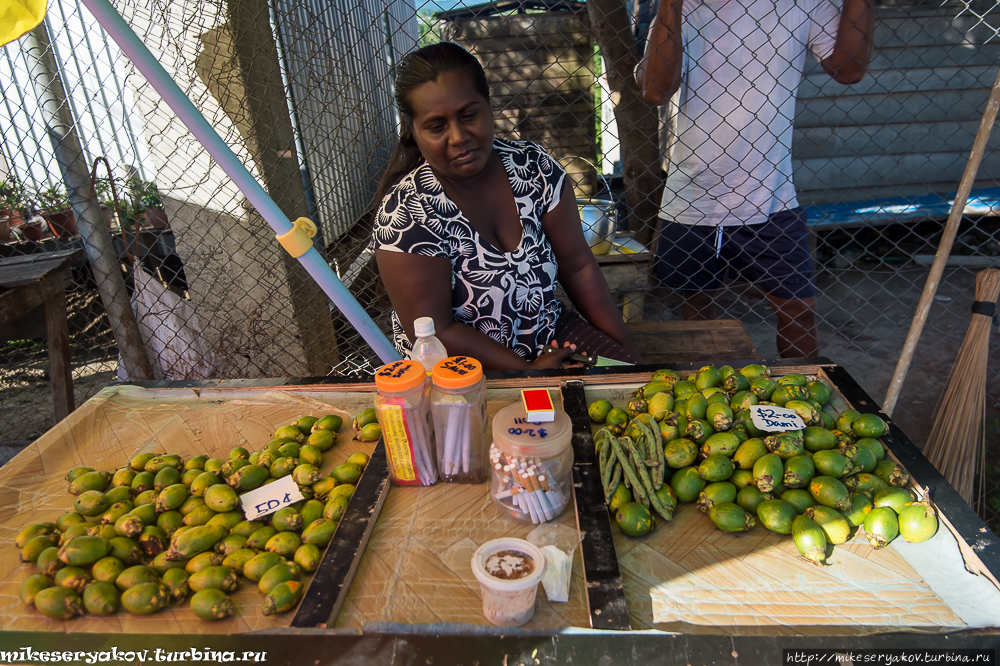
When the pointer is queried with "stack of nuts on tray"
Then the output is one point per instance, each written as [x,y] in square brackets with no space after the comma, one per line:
[162,529]
[694,440]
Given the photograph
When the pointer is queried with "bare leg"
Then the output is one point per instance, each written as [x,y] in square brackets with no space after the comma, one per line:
[698,305]
[796,326]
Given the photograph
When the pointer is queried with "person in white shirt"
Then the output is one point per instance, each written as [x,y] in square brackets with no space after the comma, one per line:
[729,200]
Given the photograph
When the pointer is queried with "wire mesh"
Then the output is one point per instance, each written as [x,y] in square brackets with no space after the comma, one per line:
[303,93]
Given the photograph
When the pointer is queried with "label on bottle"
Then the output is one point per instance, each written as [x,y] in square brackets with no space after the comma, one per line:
[398,445]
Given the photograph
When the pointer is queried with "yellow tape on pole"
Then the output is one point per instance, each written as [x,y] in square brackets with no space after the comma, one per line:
[18,17]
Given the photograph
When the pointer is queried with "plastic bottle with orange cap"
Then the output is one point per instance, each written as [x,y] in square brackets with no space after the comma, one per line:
[402,405]
[458,408]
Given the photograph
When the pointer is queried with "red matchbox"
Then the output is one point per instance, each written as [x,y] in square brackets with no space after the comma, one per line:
[538,407]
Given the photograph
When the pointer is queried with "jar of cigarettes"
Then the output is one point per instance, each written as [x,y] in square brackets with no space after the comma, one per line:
[458,408]
[532,463]
[402,404]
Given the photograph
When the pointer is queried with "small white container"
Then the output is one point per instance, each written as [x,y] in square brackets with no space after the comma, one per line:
[508,602]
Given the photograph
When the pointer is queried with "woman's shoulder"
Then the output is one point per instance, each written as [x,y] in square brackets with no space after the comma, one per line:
[405,195]
[413,216]
[519,147]
[529,165]
[420,180]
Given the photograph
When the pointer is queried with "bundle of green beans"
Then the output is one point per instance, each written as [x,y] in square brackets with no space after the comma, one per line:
[639,464]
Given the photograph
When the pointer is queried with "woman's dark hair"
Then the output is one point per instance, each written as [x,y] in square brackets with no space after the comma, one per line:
[415,69]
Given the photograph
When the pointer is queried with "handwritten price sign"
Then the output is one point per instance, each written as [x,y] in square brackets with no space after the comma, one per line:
[270,498]
[775,419]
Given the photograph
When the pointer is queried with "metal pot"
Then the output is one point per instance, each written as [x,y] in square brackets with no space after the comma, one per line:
[599,220]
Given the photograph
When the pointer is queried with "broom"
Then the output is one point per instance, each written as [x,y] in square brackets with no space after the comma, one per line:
[956,442]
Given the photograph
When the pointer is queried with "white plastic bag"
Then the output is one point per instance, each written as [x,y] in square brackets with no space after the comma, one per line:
[170,332]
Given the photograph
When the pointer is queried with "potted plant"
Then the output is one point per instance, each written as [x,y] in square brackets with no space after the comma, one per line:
[34,224]
[151,200]
[57,212]
[10,208]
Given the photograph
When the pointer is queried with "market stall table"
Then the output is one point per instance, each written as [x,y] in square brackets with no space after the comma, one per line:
[400,559]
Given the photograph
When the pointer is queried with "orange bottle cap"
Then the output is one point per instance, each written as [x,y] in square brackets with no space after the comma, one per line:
[400,376]
[457,372]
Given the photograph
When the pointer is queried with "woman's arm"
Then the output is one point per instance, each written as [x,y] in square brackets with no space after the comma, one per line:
[420,286]
[579,273]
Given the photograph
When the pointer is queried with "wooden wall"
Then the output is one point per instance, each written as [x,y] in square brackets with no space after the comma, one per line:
[908,127]
[541,72]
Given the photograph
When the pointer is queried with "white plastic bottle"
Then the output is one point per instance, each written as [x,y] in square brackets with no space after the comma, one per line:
[427,349]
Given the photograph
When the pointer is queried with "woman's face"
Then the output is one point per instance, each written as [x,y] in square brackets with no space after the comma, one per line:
[452,125]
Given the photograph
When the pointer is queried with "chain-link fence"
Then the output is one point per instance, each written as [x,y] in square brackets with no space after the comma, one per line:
[302,92]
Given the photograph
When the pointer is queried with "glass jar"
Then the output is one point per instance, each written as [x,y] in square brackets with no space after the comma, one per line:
[458,408]
[531,465]
[402,405]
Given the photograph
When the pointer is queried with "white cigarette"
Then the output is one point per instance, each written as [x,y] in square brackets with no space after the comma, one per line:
[450,441]
[466,439]
[539,496]
[423,454]
[530,506]
[438,427]
[539,514]
[556,499]
[544,505]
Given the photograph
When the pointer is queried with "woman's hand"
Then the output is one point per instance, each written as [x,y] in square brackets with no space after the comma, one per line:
[554,358]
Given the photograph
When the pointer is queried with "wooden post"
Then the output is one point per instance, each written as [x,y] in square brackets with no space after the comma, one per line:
[59,125]
[272,143]
[60,370]
[638,122]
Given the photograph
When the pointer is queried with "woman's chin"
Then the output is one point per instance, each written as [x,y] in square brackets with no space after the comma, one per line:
[467,167]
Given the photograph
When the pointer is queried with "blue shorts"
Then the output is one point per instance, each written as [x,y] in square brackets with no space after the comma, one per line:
[774,255]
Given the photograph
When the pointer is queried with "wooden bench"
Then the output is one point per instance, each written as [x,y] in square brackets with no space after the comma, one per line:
[692,341]
[628,275]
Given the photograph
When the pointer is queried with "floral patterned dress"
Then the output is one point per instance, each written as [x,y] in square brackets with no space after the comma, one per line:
[509,296]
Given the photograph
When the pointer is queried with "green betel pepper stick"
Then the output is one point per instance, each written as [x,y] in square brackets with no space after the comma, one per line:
[616,479]
[653,499]
[660,456]
[648,487]
[607,472]
[656,460]
[603,455]
[647,452]
[639,445]
[628,470]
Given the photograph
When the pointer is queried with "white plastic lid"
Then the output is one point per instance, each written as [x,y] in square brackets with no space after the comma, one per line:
[484,552]
[514,435]
[423,327]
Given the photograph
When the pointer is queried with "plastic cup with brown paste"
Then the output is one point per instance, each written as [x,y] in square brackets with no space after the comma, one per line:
[508,571]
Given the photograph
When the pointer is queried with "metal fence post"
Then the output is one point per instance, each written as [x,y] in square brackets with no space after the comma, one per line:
[60,127]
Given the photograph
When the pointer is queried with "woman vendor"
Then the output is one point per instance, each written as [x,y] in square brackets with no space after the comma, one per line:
[475,231]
